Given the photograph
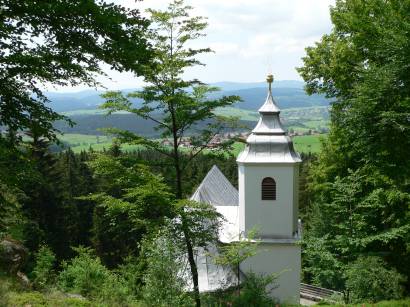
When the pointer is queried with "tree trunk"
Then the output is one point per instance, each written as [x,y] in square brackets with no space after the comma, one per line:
[178,187]
[239,280]
[178,194]
[192,264]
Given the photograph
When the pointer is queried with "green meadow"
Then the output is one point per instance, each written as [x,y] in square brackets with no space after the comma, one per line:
[81,142]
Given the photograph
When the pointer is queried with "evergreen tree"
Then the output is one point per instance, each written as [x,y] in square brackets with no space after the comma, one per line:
[129,203]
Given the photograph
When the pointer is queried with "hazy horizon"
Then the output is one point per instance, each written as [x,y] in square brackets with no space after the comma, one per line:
[250,39]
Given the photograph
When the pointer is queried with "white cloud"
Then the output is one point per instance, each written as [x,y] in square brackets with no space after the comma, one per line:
[246,35]
[224,48]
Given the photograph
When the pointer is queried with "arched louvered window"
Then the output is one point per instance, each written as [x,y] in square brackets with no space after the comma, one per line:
[268,189]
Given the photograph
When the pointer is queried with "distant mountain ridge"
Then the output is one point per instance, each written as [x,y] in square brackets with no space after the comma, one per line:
[288,93]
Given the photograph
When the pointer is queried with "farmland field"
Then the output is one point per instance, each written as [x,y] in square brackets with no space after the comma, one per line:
[305,144]
[80,142]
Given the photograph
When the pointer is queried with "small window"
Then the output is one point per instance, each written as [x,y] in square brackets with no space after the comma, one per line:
[268,189]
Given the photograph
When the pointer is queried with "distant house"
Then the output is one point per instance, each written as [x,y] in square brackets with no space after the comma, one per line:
[166,142]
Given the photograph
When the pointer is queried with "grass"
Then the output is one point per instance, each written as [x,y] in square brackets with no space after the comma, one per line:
[397,303]
[83,142]
[241,113]
[308,143]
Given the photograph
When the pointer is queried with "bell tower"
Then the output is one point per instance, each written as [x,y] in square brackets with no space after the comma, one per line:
[268,200]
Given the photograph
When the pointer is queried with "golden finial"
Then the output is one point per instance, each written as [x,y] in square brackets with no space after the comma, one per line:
[270,80]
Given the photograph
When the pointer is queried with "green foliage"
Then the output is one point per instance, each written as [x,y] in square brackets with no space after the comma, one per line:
[238,251]
[84,274]
[234,253]
[320,265]
[14,169]
[196,226]
[199,221]
[165,277]
[61,43]
[368,279]
[360,215]
[131,273]
[37,299]
[256,291]
[130,202]
[34,298]
[360,182]
[43,272]
[9,208]
[398,303]
[175,106]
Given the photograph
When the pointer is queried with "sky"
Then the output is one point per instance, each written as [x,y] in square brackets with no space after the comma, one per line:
[249,38]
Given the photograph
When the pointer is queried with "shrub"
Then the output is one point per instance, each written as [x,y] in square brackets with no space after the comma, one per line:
[37,299]
[84,275]
[256,291]
[43,272]
[164,279]
[87,276]
[28,298]
[368,279]
[131,274]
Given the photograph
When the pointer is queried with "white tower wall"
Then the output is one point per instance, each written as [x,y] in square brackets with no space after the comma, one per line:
[282,259]
[269,153]
[273,218]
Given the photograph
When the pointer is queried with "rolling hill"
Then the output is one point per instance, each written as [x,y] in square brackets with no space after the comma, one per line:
[289,94]
[300,112]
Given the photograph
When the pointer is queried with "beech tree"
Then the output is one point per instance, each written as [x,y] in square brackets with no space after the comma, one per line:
[61,42]
[180,108]
[360,182]
[54,42]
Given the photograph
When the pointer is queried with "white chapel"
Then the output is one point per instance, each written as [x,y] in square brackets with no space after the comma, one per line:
[268,175]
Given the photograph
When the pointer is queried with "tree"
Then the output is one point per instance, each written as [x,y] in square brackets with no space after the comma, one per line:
[360,182]
[164,279]
[234,253]
[368,279]
[177,106]
[62,43]
[196,225]
[130,202]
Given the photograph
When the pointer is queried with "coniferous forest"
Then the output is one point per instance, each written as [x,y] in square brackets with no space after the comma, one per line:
[116,228]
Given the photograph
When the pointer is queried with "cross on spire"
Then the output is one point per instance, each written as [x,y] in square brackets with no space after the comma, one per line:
[269,79]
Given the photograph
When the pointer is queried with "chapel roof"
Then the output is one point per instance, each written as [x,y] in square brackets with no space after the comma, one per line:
[216,190]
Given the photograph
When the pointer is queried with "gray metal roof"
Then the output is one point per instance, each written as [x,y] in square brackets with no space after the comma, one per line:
[269,106]
[268,142]
[216,190]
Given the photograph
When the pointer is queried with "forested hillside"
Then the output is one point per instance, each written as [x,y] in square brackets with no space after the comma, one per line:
[290,93]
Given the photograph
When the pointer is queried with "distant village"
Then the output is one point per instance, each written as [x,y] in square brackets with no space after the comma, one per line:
[219,139]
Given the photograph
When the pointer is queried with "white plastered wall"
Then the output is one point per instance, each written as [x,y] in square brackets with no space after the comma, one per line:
[283,259]
[274,219]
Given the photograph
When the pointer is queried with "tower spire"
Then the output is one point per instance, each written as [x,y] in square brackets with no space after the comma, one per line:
[268,141]
[270,79]
[270,105]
